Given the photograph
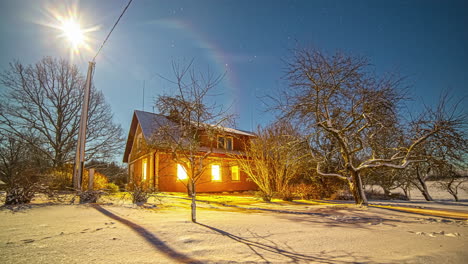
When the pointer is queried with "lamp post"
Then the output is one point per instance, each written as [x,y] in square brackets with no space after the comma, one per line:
[80,148]
[73,32]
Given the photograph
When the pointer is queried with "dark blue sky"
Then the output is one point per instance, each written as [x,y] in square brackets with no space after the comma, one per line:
[424,40]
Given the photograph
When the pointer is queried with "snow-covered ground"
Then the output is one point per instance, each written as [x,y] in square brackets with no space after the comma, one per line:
[230,230]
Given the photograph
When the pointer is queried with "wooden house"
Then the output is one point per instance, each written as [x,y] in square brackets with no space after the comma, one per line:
[154,168]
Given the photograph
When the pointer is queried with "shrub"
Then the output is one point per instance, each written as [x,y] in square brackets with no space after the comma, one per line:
[306,191]
[100,180]
[90,196]
[112,187]
[139,192]
[60,179]
[287,194]
[264,196]
[139,196]
[20,195]
[23,187]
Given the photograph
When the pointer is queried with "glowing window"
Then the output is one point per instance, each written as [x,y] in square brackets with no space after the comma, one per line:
[235,173]
[144,168]
[215,173]
[181,172]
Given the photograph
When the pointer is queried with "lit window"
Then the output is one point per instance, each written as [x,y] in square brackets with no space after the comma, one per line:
[235,173]
[215,173]
[144,167]
[181,172]
[225,142]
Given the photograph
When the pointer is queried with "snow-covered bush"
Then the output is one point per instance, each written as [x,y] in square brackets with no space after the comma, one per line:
[20,195]
[90,196]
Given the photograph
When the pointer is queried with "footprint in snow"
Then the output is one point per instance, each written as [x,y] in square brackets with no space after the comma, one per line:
[435,234]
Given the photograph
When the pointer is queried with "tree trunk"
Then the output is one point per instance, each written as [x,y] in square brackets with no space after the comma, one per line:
[406,191]
[423,187]
[194,205]
[353,190]
[453,193]
[356,187]
[361,190]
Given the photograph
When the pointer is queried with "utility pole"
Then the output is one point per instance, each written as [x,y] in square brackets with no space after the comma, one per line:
[78,168]
[80,148]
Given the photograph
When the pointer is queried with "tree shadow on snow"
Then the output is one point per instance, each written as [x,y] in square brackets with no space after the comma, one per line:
[151,238]
[261,249]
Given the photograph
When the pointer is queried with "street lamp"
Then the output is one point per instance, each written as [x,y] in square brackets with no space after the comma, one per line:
[72,31]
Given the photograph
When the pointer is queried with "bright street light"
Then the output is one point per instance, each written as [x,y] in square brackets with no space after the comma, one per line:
[72,31]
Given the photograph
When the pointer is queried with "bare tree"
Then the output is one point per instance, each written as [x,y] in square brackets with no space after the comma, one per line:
[43,100]
[445,150]
[452,181]
[274,158]
[21,167]
[195,117]
[339,100]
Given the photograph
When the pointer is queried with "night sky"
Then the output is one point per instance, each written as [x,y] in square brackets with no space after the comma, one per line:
[427,41]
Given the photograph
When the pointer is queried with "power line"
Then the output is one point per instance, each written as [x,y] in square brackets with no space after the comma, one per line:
[108,35]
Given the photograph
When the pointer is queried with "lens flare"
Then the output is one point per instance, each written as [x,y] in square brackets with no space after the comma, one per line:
[69,23]
[72,31]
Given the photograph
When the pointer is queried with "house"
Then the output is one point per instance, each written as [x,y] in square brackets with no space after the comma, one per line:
[154,168]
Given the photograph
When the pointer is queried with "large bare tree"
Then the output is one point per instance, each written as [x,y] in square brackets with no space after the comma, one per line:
[189,107]
[341,101]
[41,104]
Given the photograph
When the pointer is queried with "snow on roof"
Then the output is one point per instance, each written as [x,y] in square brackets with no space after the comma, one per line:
[237,131]
[150,122]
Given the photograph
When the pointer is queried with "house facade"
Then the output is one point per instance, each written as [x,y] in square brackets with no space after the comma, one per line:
[155,168]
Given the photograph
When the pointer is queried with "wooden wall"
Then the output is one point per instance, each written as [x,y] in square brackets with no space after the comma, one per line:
[168,181]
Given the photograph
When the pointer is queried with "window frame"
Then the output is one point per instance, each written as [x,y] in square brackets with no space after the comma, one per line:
[225,142]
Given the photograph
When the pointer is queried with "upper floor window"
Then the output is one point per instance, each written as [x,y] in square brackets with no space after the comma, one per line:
[225,142]
[139,141]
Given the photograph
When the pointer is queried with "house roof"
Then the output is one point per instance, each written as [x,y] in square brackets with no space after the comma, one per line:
[151,122]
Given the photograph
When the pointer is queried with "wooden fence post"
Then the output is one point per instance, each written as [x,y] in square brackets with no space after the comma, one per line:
[91,179]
